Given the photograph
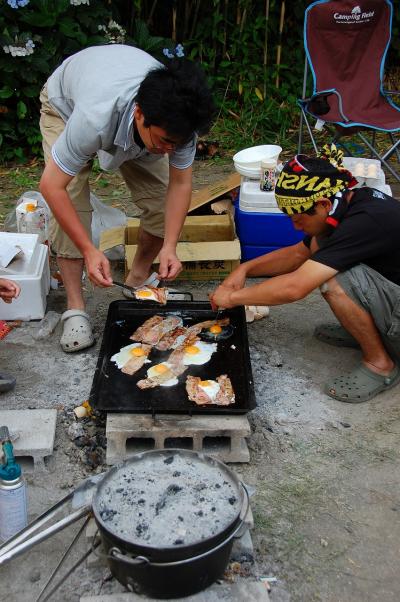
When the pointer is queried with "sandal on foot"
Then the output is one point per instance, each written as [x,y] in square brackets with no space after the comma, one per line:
[361,385]
[335,335]
[7,382]
[77,332]
[152,280]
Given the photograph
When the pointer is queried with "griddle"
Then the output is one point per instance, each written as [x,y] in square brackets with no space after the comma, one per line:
[114,391]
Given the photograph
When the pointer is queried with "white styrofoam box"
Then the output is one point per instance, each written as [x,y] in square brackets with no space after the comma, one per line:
[23,264]
[251,194]
[35,286]
[368,172]
[258,209]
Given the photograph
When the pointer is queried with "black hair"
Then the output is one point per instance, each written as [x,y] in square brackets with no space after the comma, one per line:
[176,97]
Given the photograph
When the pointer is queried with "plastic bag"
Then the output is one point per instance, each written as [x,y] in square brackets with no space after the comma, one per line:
[10,223]
[104,218]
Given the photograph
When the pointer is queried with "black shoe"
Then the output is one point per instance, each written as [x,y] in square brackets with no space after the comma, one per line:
[7,383]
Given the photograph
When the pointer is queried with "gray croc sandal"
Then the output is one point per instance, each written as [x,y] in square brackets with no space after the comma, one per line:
[152,280]
[336,335]
[7,382]
[361,385]
[77,331]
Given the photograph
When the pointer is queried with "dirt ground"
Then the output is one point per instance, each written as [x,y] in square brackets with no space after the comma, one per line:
[325,473]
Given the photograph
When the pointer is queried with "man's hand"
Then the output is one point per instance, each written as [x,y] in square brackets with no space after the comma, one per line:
[98,267]
[170,266]
[221,297]
[9,290]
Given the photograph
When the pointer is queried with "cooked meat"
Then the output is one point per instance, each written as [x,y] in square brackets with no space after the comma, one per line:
[219,392]
[135,363]
[156,379]
[226,394]
[150,293]
[155,328]
[168,340]
[145,327]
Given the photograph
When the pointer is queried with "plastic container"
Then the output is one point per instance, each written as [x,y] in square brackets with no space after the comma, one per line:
[251,252]
[268,175]
[248,161]
[32,273]
[368,172]
[252,199]
[265,229]
[33,218]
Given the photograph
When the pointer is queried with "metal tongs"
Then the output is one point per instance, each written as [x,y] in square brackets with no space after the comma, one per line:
[131,289]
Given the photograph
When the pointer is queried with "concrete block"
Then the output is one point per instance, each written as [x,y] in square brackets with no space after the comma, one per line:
[246,590]
[36,431]
[221,436]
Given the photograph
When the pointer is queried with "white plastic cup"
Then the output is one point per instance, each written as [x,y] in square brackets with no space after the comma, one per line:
[32,219]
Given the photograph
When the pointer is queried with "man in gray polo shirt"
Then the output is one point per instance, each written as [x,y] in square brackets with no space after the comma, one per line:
[119,103]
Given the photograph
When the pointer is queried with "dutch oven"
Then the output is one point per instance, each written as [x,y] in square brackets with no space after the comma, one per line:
[167,520]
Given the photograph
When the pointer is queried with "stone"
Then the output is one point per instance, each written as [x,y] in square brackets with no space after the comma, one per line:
[36,431]
[245,590]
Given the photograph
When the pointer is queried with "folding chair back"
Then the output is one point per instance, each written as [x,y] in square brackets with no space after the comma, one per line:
[346,43]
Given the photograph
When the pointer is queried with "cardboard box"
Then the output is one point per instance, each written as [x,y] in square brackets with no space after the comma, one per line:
[208,247]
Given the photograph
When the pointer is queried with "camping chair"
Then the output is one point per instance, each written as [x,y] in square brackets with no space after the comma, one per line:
[346,44]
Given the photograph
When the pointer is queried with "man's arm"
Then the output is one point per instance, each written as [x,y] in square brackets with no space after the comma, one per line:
[53,186]
[281,261]
[278,290]
[177,204]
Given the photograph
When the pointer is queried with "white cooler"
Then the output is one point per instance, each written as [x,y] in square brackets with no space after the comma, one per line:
[32,272]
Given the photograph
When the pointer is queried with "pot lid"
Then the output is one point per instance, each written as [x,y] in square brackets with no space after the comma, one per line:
[168,498]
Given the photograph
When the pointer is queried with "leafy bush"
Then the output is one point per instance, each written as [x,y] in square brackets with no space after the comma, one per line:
[252,51]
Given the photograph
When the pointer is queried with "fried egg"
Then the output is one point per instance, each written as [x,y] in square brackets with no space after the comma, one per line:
[126,353]
[145,294]
[199,353]
[160,369]
[216,332]
[210,387]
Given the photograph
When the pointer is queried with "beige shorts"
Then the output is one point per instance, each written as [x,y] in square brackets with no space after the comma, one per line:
[147,181]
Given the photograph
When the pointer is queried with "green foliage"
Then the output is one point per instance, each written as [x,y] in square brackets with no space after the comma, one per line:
[254,66]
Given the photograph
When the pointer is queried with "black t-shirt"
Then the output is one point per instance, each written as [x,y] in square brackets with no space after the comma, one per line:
[368,233]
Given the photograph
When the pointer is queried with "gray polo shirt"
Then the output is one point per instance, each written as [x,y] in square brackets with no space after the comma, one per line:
[93,91]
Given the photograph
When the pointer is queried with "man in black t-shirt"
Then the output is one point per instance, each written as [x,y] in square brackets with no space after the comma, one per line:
[352,252]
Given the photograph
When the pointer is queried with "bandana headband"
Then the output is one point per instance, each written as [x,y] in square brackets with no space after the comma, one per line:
[298,188]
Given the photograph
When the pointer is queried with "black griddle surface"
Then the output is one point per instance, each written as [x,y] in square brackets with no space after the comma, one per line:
[113,391]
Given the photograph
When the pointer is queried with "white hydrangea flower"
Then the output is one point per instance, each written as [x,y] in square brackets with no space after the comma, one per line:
[114,33]
[79,2]
[25,50]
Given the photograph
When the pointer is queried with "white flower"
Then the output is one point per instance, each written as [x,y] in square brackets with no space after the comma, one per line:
[78,2]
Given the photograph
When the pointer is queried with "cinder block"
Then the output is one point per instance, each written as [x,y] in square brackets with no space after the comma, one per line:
[221,436]
[246,590]
[36,431]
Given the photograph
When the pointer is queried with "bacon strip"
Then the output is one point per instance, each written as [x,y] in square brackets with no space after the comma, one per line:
[135,363]
[168,340]
[161,294]
[224,397]
[155,328]
[156,380]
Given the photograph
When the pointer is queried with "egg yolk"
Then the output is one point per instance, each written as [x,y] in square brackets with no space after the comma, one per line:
[144,293]
[30,207]
[192,350]
[137,352]
[204,383]
[215,329]
[160,368]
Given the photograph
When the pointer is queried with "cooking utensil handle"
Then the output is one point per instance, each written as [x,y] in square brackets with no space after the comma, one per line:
[45,534]
[115,554]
